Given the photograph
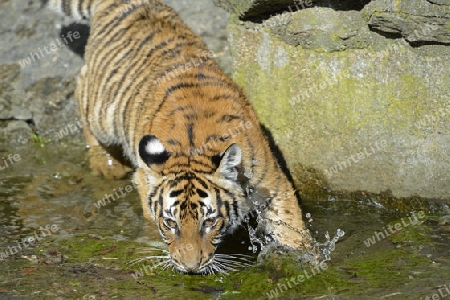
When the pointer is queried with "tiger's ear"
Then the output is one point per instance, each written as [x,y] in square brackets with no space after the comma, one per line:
[231,158]
[152,151]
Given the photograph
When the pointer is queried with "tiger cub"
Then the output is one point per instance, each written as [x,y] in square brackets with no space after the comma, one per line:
[150,85]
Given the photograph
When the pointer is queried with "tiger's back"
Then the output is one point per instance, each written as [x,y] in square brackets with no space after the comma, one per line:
[150,85]
[137,51]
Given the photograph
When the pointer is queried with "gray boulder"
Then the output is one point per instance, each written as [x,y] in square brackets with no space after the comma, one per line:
[356,100]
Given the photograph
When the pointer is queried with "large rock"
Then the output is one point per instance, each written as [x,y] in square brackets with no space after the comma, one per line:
[38,69]
[418,21]
[350,107]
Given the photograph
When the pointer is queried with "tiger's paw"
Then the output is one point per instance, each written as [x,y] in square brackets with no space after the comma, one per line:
[285,235]
[106,165]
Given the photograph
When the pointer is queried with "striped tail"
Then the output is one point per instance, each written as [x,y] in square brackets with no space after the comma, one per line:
[77,9]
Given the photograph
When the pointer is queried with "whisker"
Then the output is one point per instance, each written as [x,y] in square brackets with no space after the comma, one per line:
[152,249]
[154,257]
[237,257]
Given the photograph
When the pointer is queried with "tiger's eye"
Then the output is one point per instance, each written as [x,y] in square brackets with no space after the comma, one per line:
[209,222]
[170,222]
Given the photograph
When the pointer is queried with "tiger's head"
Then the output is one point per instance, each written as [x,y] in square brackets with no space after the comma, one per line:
[194,200]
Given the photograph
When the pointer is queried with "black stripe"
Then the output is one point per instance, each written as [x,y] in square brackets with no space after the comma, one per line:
[190,132]
[176,193]
[176,49]
[156,190]
[165,226]
[177,87]
[102,29]
[229,118]
[202,183]
[152,195]
[235,202]
[199,163]
[203,76]
[227,208]
[215,138]
[100,60]
[235,208]
[191,117]
[108,11]
[173,142]
[209,114]
[219,201]
[224,97]
[149,203]
[155,206]
[214,185]
[161,202]
[200,76]
[170,69]
[180,108]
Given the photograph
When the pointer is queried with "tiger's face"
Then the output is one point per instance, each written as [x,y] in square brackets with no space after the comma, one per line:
[193,210]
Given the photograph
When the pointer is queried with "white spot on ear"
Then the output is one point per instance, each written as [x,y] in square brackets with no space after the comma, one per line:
[154,147]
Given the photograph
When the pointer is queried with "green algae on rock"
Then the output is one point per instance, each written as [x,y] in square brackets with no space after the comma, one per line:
[367,112]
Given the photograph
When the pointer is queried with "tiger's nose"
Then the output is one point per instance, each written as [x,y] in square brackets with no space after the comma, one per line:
[191,266]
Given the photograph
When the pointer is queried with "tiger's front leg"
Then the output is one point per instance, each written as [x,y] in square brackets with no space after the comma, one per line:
[283,220]
[103,160]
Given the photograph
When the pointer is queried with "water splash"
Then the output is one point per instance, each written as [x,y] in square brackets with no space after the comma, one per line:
[259,240]
[329,246]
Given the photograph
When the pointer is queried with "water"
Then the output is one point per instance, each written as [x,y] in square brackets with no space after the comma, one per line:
[89,252]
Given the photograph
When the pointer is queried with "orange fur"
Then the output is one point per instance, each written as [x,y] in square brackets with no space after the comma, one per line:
[189,130]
